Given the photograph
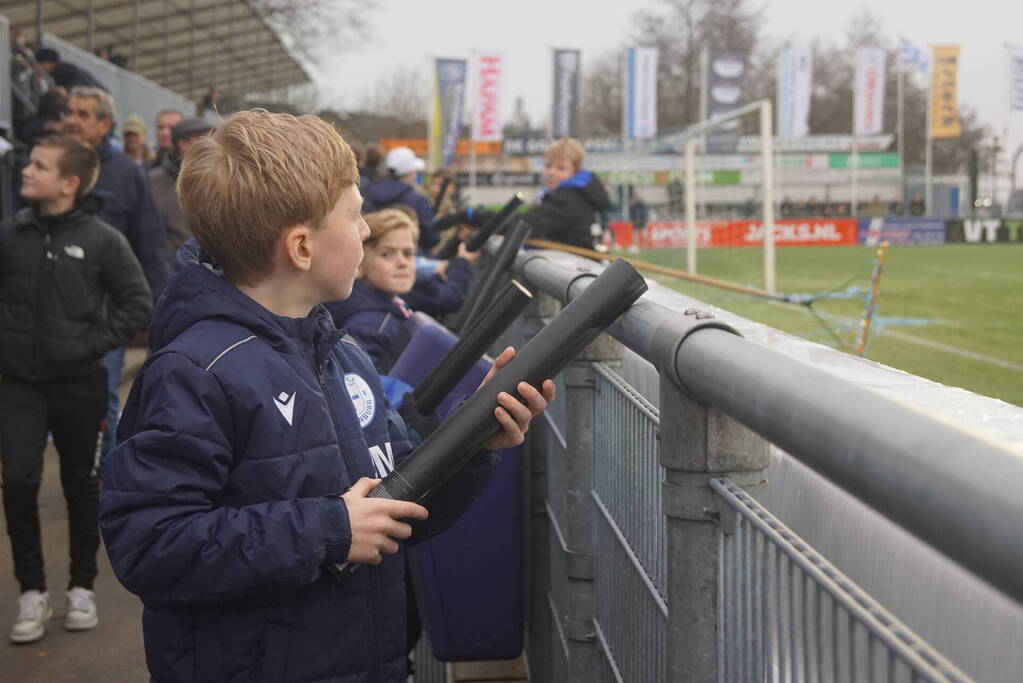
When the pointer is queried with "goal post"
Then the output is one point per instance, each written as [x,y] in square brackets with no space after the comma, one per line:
[690,137]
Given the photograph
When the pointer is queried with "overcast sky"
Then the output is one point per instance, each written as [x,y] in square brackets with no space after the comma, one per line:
[410,32]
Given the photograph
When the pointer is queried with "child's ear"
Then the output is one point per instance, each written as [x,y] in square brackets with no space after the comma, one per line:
[297,246]
[69,185]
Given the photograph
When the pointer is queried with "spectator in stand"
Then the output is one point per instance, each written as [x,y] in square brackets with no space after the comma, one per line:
[71,290]
[128,205]
[164,178]
[571,199]
[48,119]
[917,206]
[895,208]
[400,188]
[445,205]
[134,135]
[65,74]
[165,121]
[209,108]
[369,165]
[637,209]
[813,207]
[787,209]
[876,206]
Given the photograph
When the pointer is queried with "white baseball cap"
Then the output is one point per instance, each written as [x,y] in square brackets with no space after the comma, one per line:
[403,161]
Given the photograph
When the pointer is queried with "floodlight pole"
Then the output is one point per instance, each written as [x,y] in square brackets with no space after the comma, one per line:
[767,161]
[691,206]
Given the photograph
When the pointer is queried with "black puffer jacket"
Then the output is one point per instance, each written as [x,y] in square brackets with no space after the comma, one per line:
[567,212]
[70,290]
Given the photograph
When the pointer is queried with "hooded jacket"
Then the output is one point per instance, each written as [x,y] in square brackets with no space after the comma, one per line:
[566,213]
[435,295]
[220,504]
[375,320]
[70,290]
[387,192]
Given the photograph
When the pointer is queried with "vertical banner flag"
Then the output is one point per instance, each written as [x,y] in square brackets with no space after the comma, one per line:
[723,86]
[448,104]
[1015,79]
[911,55]
[641,93]
[868,92]
[565,107]
[487,117]
[795,77]
[944,100]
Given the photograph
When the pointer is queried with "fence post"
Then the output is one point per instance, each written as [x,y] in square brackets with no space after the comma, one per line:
[698,442]
[579,380]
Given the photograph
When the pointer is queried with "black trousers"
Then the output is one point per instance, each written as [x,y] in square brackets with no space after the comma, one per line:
[72,411]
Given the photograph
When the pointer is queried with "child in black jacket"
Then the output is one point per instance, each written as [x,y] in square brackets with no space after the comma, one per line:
[572,197]
[70,290]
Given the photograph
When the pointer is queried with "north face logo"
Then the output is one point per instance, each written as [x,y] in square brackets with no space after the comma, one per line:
[286,404]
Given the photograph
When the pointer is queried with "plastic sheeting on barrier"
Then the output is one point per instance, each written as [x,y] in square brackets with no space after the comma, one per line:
[469,579]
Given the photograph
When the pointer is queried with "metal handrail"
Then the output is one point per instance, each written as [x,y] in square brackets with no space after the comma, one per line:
[952,487]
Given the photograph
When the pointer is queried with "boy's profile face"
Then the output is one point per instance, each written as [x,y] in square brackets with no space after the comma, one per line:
[390,264]
[337,247]
[556,171]
[41,180]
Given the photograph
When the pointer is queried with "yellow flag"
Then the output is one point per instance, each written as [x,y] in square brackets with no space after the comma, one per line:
[944,102]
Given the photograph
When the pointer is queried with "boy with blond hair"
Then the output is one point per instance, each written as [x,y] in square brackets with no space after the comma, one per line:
[571,197]
[386,291]
[70,291]
[255,431]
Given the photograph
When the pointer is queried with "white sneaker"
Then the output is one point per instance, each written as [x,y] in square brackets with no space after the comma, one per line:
[33,612]
[81,610]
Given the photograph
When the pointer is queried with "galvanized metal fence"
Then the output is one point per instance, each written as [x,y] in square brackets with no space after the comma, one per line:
[648,558]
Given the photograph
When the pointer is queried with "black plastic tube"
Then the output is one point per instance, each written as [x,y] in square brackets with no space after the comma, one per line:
[476,242]
[440,195]
[468,350]
[462,434]
[476,304]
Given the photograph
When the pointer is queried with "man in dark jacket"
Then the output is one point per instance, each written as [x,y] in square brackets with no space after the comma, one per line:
[571,200]
[70,290]
[398,188]
[65,74]
[128,205]
[164,177]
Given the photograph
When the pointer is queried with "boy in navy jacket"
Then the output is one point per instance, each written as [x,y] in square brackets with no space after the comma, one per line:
[255,431]
[387,292]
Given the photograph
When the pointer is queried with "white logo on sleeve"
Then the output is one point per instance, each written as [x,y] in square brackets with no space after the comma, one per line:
[286,404]
[383,459]
[363,400]
[74,251]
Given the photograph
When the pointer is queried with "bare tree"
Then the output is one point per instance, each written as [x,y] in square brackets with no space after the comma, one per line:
[402,94]
[601,95]
[311,27]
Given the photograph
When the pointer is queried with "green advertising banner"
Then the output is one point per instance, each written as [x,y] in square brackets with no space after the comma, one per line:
[868,160]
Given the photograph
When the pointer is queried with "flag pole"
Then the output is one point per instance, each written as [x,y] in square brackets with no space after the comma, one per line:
[929,147]
[475,101]
[900,130]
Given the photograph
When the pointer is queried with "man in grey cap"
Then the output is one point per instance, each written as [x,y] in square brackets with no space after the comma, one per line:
[164,177]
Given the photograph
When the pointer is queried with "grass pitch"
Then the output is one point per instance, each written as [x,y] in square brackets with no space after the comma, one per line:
[950,313]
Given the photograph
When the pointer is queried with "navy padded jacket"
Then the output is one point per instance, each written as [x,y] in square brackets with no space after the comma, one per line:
[220,504]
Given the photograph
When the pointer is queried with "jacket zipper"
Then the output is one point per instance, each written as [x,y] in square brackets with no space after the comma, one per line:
[373,573]
[44,284]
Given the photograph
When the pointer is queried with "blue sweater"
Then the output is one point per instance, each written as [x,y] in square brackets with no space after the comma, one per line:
[220,504]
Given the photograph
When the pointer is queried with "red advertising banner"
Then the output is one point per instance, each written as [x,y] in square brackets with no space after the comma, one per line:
[747,233]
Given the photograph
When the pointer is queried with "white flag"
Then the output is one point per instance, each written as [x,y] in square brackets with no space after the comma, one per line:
[795,81]
[868,91]
[641,92]
[487,117]
[1015,79]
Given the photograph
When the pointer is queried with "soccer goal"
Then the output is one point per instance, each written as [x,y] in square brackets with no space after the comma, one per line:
[716,219]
